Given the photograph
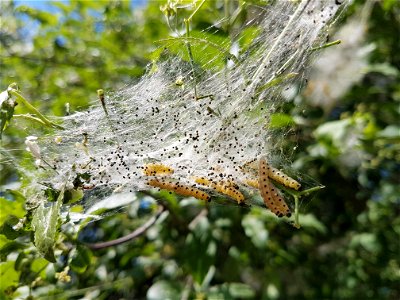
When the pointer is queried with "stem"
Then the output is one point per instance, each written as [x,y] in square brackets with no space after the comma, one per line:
[296,212]
[275,81]
[187,25]
[189,49]
[30,117]
[32,109]
[226,12]
[337,42]
[310,190]
[100,94]
[286,64]
[296,196]
[211,96]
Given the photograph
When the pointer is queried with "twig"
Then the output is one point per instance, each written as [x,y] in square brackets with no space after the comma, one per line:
[189,49]
[134,234]
[296,212]
[337,42]
[30,118]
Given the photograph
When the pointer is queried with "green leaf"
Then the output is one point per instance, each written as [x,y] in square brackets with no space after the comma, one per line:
[241,290]
[11,207]
[366,240]
[44,223]
[42,16]
[209,51]
[8,276]
[73,195]
[162,290]
[8,229]
[8,248]
[3,241]
[81,259]
[391,131]
[39,265]
[254,228]
[234,290]
[279,120]
[334,130]
[7,105]
[310,221]
[383,68]
[247,36]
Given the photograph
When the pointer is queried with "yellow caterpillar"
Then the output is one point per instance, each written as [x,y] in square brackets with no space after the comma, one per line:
[228,188]
[280,203]
[270,195]
[251,182]
[282,178]
[179,188]
[273,173]
[157,170]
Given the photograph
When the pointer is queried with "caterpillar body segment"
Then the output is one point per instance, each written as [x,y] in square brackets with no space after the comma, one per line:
[273,173]
[228,188]
[265,187]
[231,192]
[250,167]
[203,181]
[179,189]
[157,169]
[251,182]
[230,183]
[282,178]
[280,203]
[269,193]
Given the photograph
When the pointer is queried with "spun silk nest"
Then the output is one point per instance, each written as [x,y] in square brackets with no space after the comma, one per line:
[211,133]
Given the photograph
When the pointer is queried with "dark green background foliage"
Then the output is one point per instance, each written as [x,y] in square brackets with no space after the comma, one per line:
[348,247]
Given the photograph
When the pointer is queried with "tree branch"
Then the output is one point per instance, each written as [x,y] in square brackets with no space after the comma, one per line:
[134,234]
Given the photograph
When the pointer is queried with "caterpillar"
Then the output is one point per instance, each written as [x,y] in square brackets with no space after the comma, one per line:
[274,174]
[251,182]
[250,167]
[280,202]
[228,188]
[179,189]
[157,170]
[282,178]
[270,195]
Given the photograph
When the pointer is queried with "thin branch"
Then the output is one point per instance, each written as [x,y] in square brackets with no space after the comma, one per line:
[133,235]
[30,118]
[337,42]
[296,212]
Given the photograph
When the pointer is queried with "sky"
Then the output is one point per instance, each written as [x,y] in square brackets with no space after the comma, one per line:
[45,5]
